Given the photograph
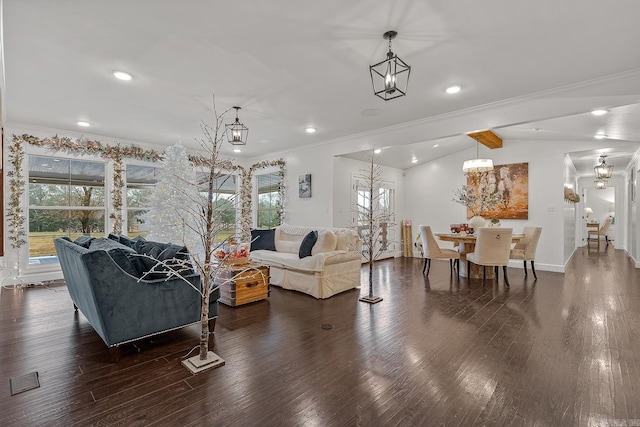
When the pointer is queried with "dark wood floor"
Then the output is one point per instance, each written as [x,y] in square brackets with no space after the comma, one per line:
[562,351]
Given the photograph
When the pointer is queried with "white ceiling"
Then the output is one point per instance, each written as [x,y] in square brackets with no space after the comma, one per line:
[288,64]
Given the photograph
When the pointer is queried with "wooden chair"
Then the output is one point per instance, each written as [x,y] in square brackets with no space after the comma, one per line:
[526,248]
[433,250]
[493,247]
[602,231]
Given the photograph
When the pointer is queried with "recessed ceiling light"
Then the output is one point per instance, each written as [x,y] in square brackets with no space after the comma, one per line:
[454,89]
[599,136]
[377,151]
[436,145]
[310,130]
[370,112]
[83,124]
[414,160]
[536,129]
[121,75]
[599,112]
[265,141]
[237,150]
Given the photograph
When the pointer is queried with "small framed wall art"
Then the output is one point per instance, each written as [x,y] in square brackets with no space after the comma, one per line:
[304,186]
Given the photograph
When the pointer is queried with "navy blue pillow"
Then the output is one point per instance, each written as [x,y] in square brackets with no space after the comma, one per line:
[84,241]
[263,239]
[307,244]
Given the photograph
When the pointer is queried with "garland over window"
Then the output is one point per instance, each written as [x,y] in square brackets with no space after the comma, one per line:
[117,153]
[245,212]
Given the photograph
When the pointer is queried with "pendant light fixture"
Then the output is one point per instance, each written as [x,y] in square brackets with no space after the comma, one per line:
[237,132]
[477,165]
[600,184]
[390,77]
[603,170]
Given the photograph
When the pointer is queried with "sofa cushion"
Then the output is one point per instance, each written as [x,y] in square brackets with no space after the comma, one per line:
[119,253]
[263,239]
[84,241]
[307,244]
[288,246]
[107,244]
[148,247]
[344,239]
[327,241]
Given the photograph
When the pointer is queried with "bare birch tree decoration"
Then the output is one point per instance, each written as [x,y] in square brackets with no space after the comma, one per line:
[373,221]
[204,213]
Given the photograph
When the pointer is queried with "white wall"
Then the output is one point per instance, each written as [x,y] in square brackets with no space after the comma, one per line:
[571,216]
[600,201]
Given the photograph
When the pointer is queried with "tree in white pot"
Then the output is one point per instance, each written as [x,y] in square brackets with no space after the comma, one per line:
[203,213]
[374,221]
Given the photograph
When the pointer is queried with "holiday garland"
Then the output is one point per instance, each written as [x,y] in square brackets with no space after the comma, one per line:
[116,153]
[245,226]
[15,215]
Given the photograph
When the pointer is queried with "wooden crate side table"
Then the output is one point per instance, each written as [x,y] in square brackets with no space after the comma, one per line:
[248,286]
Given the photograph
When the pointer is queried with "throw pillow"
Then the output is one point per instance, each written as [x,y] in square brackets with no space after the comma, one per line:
[263,240]
[107,244]
[121,257]
[327,241]
[84,241]
[307,244]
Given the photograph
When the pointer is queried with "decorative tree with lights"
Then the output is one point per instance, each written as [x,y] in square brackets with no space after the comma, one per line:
[166,219]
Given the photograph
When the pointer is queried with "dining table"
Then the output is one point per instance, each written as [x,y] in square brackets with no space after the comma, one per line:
[467,244]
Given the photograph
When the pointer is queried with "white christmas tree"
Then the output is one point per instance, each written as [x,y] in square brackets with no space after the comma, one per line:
[166,220]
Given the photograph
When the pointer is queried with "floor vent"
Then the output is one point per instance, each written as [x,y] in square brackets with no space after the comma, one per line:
[327,326]
[24,382]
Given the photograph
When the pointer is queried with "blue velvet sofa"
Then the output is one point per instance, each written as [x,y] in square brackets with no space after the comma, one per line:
[103,279]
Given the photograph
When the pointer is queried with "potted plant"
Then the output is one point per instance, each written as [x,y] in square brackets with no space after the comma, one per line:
[476,203]
[494,222]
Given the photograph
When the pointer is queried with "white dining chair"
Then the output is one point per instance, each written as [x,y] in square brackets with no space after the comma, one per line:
[600,232]
[433,250]
[493,246]
[526,248]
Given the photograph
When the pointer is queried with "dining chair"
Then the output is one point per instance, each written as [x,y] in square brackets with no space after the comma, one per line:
[493,246]
[433,250]
[602,231]
[526,248]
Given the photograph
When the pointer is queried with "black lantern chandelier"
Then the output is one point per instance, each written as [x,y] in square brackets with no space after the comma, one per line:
[603,170]
[390,77]
[237,132]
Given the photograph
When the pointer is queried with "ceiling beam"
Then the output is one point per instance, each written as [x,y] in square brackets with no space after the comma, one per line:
[487,138]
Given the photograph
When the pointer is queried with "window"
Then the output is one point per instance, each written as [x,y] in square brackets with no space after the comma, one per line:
[269,200]
[140,184]
[66,198]
[225,202]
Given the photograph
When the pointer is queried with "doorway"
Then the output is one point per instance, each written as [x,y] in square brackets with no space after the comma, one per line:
[599,204]
[384,212]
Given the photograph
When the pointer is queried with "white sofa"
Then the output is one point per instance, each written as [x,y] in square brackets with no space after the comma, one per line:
[333,267]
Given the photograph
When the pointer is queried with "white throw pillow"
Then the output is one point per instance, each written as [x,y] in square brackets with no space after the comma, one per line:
[326,242]
[287,246]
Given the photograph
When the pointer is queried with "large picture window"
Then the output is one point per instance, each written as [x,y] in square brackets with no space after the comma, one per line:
[66,198]
[225,202]
[269,200]
[140,182]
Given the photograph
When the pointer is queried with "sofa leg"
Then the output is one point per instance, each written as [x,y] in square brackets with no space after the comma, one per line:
[212,324]
[75,307]
[114,354]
